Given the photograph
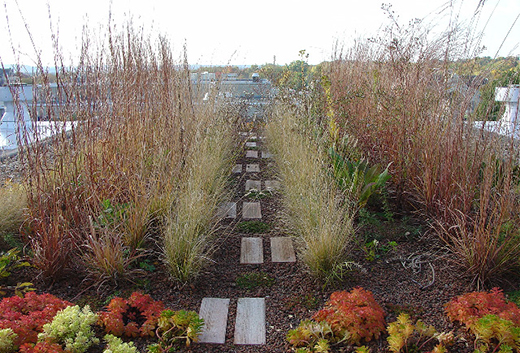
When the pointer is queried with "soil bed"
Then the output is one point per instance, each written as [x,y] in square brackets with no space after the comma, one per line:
[291,293]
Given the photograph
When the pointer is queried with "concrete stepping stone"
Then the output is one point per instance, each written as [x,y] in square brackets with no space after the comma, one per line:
[237,168]
[252,168]
[282,250]
[250,144]
[266,155]
[214,311]
[272,185]
[251,210]
[250,321]
[253,184]
[227,210]
[251,154]
[251,251]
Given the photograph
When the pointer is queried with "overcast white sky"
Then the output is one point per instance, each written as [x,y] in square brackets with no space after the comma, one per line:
[241,31]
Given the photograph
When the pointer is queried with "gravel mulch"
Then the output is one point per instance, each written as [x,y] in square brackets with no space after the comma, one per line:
[417,276]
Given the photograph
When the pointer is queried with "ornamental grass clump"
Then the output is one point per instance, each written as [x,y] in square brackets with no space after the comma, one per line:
[189,226]
[13,201]
[125,123]
[319,213]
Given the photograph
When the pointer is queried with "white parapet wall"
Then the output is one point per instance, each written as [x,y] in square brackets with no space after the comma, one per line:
[13,118]
[509,124]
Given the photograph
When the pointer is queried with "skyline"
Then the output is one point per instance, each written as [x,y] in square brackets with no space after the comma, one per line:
[227,32]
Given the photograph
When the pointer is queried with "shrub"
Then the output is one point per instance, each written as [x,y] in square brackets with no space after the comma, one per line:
[71,327]
[26,316]
[175,327]
[7,338]
[355,315]
[133,317]
[116,345]
[469,308]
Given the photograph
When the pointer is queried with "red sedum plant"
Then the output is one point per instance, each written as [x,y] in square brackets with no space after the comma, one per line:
[41,347]
[26,316]
[470,307]
[355,315]
[133,317]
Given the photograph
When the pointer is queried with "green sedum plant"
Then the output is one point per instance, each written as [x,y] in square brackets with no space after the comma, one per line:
[116,345]
[311,336]
[175,327]
[494,332]
[404,336]
[72,328]
[7,338]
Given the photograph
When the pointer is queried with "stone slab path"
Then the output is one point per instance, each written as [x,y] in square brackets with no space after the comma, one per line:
[214,311]
[227,210]
[282,250]
[251,210]
[250,322]
[253,184]
[252,251]
[251,154]
[252,168]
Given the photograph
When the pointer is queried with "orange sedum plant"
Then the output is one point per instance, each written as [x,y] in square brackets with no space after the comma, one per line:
[470,307]
[354,314]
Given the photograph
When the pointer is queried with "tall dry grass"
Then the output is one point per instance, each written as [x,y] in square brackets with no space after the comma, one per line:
[13,203]
[318,214]
[189,226]
[400,97]
[99,192]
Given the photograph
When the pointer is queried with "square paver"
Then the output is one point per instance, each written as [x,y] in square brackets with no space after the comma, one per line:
[251,154]
[251,251]
[266,154]
[237,168]
[250,144]
[272,185]
[252,168]
[253,184]
[227,210]
[282,250]
[251,210]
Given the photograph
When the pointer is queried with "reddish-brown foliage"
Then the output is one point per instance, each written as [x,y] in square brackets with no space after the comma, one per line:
[135,316]
[470,307]
[356,312]
[26,316]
